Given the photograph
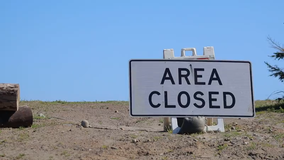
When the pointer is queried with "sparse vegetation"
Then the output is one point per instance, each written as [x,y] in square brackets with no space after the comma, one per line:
[222,147]
[248,135]
[37,125]
[164,158]
[21,128]
[39,117]
[20,156]
[133,136]
[279,136]
[251,146]
[104,147]
[157,138]
[270,106]
[116,118]
[65,153]
[232,134]
[23,136]
[195,134]
[3,141]
[170,131]
[263,144]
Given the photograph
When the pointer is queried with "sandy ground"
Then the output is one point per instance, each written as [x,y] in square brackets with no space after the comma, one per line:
[115,135]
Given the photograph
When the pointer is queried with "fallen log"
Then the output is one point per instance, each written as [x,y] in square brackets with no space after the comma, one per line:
[23,117]
[9,97]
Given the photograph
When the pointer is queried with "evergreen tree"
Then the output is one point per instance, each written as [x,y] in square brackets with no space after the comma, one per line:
[278,55]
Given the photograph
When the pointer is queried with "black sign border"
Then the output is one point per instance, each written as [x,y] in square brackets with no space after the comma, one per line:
[188,60]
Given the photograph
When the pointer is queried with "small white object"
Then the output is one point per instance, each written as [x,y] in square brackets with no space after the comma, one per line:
[42,115]
[193,50]
[219,127]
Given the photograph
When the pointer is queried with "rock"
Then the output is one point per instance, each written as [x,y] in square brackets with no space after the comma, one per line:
[245,143]
[233,128]
[116,111]
[85,124]
[192,125]
[235,123]
[134,140]
[227,139]
[113,147]
[41,115]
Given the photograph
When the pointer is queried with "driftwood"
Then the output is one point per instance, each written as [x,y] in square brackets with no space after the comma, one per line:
[9,97]
[21,118]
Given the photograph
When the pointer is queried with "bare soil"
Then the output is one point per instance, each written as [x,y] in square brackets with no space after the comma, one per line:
[114,135]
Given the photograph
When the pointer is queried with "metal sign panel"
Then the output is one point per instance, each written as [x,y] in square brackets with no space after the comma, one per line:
[180,88]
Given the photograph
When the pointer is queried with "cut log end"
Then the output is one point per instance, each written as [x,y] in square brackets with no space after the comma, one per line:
[21,118]
[9,97]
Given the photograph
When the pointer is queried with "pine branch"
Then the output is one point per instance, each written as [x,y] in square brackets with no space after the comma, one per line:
[276,71]
[278,55]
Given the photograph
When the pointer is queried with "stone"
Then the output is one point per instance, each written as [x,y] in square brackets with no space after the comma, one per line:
[192,125]
[245,143]
[41,115]
[85,124]
[113,147]
[134,140]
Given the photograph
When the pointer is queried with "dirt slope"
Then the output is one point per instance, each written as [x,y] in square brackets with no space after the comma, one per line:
[115,135]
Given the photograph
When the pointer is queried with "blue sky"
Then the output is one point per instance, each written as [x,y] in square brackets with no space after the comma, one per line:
[79,50]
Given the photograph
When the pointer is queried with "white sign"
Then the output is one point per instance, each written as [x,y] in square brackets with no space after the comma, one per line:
[180,88]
